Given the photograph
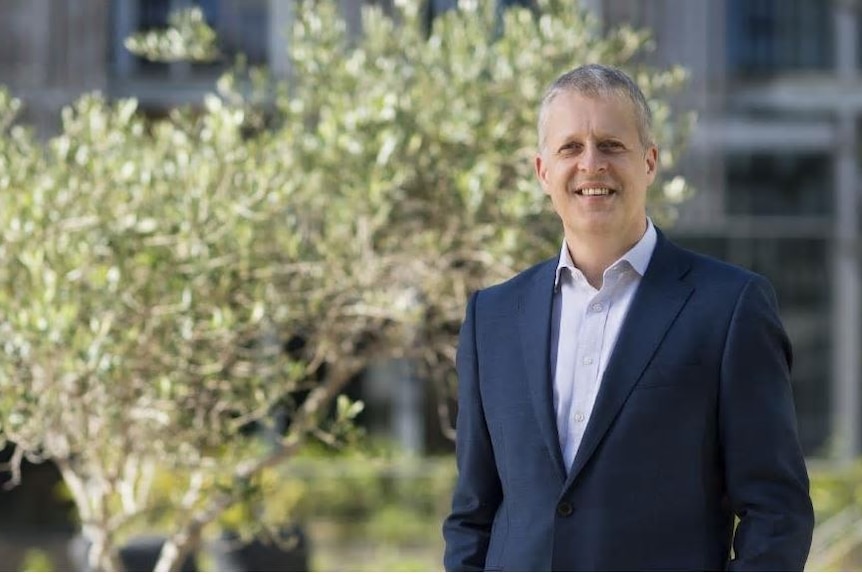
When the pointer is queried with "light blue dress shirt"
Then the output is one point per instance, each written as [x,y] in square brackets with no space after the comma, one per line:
[584,329]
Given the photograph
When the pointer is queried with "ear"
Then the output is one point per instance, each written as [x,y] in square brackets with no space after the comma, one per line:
[541,172]
[651,160]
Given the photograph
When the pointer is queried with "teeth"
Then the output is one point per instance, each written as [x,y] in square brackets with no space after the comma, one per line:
[595,191]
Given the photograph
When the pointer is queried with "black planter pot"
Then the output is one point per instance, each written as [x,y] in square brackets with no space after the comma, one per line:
[139,554]
[291,553]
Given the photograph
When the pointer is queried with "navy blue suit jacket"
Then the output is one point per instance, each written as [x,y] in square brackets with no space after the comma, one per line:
[693,425]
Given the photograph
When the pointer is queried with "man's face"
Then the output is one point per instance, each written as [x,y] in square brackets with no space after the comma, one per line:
[594,167]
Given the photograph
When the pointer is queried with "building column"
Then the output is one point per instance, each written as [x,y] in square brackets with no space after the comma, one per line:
[408,421]
[351,11]
[594,6]
[125,24]
[281,14]
[847,320]
[394,386]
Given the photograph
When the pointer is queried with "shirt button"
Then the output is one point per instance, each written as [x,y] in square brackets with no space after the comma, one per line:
[597,307]
[588,360]
[565,509]
[579,417]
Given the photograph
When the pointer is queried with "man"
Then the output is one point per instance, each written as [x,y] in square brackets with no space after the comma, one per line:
[621,404]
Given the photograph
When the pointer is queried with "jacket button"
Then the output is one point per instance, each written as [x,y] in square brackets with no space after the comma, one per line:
[565,509]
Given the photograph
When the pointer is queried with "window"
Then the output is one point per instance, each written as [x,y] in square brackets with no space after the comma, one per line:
[773,36]
[779,184]
[241,26]
[435,8]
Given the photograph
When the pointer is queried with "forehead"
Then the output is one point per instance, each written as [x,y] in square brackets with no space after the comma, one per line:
[573,114]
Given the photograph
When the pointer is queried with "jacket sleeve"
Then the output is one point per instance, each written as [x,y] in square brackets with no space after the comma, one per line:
[767,481]
[477,495]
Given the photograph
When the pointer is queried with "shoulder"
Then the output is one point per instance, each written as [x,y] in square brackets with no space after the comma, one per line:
[702,266]
[715,275]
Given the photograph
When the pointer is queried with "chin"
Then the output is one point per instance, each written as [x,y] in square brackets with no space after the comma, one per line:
[598,226]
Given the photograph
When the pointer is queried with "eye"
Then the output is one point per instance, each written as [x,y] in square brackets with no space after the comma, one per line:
[569,148]
[612,146]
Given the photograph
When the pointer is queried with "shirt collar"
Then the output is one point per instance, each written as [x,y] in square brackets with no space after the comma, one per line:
[638,257]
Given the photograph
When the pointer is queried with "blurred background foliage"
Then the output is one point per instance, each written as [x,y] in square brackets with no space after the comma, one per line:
[837,495]
[374,509]
[182,298]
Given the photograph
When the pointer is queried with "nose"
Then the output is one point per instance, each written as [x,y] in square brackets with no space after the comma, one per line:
[592,160]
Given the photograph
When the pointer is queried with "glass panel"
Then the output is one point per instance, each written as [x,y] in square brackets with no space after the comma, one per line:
[774,36]
[243,28]
[241,25]
[778,184]
[152,15]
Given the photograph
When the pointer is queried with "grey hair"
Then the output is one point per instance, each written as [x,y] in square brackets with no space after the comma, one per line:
[597,80]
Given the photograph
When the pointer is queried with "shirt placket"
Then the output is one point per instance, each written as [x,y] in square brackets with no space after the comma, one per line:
[587,362]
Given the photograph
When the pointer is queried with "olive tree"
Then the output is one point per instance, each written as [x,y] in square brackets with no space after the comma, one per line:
[431,140]
[169,282]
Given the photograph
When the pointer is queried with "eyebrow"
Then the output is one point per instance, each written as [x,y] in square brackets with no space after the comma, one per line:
[599,138]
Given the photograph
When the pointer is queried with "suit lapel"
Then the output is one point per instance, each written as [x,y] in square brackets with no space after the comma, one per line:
[659,299]
[534,319]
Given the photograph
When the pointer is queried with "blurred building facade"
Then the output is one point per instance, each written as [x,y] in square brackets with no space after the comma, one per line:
[775,157]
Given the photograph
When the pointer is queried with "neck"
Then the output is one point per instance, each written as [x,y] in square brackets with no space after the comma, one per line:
[593,254]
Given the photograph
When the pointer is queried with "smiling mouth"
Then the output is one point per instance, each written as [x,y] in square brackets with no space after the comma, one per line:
[595,192]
